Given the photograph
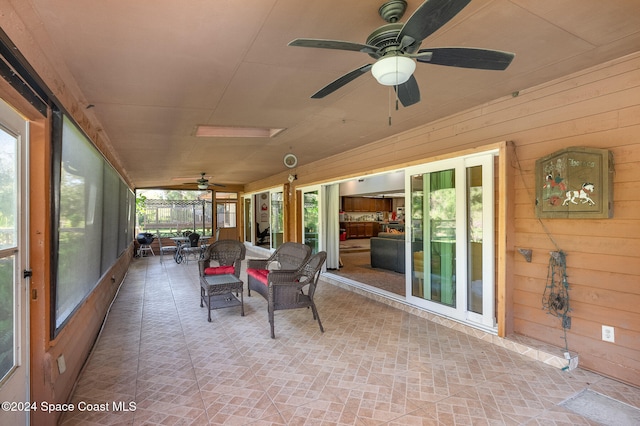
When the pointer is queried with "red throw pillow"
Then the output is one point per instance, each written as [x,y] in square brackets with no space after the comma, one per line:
[259,274]
[219,270]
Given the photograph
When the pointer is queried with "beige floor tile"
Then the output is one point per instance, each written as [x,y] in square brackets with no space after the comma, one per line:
[374,365]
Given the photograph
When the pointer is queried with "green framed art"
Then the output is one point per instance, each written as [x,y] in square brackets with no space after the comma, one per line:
[575,183]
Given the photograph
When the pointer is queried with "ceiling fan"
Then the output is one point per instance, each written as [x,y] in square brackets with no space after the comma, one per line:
[396,45]
[203,182]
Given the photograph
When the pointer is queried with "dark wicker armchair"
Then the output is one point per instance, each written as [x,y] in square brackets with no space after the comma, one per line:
[288,256]
[295,289]
[228,254]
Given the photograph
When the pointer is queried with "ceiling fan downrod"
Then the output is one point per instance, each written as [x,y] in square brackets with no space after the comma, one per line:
[392,10]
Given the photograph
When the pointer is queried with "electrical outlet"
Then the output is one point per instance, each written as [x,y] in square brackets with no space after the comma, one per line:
[608,334]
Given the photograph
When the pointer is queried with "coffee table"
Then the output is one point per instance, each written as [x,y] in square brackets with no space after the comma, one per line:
[216,291]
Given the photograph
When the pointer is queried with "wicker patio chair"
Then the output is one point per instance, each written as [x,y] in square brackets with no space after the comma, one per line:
[222,257]
[295,289]
[288,256]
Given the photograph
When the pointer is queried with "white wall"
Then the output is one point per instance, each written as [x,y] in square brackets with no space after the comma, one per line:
[374,184]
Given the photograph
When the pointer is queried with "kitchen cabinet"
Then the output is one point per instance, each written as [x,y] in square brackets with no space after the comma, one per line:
[354,229]
[364,204]
[355,204]
[383,204]
[361,205]
[347,204]
[368,229]
[360,229]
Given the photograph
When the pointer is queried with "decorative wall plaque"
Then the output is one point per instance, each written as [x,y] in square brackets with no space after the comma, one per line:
[575,183]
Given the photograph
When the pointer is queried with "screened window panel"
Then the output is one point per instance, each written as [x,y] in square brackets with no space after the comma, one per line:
[80,224]
[110,218]
[94,218]
[126,206]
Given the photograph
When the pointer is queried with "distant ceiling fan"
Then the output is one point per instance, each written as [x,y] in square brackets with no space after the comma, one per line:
[203,182]
[395,46]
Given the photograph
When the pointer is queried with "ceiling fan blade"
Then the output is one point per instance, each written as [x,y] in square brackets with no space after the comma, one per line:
[465,57]
[427,19]
[334,44]
[408,92]
[335,85]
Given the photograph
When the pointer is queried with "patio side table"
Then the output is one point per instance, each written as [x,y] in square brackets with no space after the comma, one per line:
[216,291]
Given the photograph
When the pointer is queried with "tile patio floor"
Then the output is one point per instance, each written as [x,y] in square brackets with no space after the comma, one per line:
[374,364]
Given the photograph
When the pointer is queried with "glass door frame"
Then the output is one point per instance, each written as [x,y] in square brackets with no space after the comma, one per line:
[15,385]
[321,244]
[248,216]
[252,214]
[460,312]
[276,238]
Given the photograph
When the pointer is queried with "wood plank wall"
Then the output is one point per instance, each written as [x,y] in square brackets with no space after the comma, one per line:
[597,107]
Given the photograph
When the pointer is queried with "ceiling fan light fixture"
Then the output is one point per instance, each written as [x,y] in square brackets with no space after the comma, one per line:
[393,70]
[203,186]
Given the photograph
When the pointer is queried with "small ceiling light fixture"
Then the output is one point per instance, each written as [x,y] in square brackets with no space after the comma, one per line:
[236,132]
[203,186]
[393,70]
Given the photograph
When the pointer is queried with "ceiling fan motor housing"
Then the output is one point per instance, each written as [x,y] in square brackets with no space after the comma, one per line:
[385,38]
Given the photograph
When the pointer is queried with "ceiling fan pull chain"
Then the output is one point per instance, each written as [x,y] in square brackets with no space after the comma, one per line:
[389,106]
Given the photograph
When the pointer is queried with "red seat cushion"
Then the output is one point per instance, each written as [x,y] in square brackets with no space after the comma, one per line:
[219,270]
[259,274]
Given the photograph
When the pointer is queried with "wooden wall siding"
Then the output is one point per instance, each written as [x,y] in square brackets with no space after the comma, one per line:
[596,109]
[599,108]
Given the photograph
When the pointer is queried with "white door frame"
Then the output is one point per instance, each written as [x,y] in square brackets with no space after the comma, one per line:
[14,387]
[320,190]
[460,312]
[256,205]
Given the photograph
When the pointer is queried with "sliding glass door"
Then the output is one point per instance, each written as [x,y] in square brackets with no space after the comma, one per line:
[450,238]
[276,219]
[14,303]
[248,219]
[311,219]
[433,198]
[265,210]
